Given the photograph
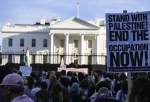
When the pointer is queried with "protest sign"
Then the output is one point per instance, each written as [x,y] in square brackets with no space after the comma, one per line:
[128,37]
[25,70]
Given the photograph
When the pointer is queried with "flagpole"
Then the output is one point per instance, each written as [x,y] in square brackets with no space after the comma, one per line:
[78,8]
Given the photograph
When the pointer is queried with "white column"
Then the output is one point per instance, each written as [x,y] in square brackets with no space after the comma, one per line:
[98,46]
[66,48]
[82,47]
[51,48]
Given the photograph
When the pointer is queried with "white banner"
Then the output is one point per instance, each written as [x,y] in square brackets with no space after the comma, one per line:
[128,37]
[82,70]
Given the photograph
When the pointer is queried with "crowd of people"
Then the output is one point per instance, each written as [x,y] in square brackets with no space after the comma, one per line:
[72,87]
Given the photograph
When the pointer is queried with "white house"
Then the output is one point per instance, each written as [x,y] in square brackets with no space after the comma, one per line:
[73,39]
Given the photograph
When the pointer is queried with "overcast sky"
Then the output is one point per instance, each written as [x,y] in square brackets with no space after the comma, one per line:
[30,11]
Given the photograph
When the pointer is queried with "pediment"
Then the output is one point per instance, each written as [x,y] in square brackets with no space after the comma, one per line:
[74,23]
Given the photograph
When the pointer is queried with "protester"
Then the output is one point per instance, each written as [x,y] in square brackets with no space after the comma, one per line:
[12,88]
[75,92]
[104,95]
[3,72]
[73,87]
[121,95]
[84,90]
[57,92]
[43,94]
[140,91]
[36,88]
[29,87]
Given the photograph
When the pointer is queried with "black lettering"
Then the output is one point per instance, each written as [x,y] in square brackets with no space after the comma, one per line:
[114,59]
[140,35]
[139,17]
[119,35]
[124,59]
[110,26]
[136,58]
[110,18]
[146,58]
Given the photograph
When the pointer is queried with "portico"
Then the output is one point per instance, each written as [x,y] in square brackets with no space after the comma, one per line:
[76,35]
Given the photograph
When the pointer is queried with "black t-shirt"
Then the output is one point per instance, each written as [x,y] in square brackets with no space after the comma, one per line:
[42,96]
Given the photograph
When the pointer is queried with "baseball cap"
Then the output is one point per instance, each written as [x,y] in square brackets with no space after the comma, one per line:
[13,80]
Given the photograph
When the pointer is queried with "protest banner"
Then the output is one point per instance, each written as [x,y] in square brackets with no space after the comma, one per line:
[77,70]
[127,41]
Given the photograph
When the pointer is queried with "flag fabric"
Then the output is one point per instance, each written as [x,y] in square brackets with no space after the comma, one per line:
[62,64]
[27,58]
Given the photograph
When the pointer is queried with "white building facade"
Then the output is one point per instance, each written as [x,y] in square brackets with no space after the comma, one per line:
[74,40]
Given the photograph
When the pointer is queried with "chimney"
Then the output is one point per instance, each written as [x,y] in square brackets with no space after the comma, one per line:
[125,11]
[100,22]
[55,20]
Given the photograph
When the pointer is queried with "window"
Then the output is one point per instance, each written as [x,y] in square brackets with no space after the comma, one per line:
[9,58]
[89,43]
[22,59]
[21,42]
[89,59]
[62,43]
[45,58]
[10,42]
[33,42]
[44,42]
[76,61]
[33,58]
[76,43]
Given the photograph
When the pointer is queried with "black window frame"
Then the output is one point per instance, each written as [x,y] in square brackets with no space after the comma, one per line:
[45,59]
[10,42]
[10,56]
[45,43]
[33,42]
[33,58]
[21,42]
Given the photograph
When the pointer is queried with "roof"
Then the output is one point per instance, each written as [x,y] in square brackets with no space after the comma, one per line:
[74,23]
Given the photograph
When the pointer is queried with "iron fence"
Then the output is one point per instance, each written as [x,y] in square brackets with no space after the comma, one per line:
[85,59]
